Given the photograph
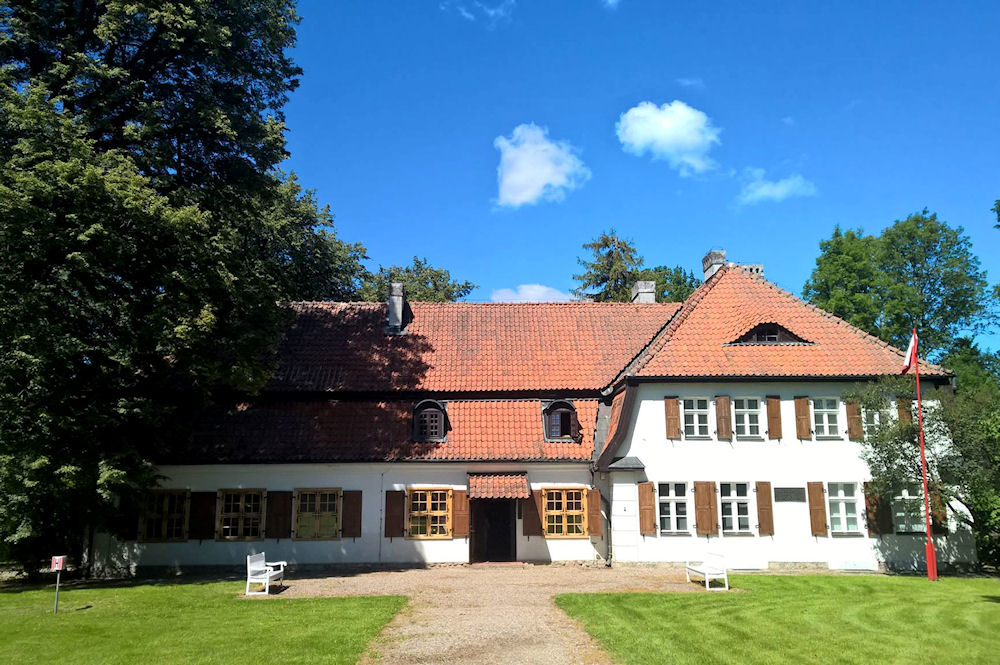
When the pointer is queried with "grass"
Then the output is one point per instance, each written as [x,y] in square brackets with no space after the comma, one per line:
[185,623]
[800,619]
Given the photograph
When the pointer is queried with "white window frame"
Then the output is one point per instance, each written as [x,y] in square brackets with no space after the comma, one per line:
[735,500]
[838,505]
[902,503]
[821,418]
[746,412]
[673,500]
[695,412]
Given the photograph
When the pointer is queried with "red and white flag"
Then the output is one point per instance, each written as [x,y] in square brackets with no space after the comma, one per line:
[911,353]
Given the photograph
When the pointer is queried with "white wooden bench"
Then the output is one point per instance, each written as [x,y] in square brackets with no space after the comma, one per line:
[263,572]
[713,567]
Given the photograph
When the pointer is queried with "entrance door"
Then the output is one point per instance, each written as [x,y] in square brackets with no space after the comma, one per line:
[493,530]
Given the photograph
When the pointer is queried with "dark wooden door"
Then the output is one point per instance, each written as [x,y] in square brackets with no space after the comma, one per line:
[493,530]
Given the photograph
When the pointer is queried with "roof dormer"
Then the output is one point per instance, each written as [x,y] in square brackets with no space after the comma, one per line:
[769,333]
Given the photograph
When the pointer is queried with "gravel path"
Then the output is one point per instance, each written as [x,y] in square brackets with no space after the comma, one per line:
[488,613]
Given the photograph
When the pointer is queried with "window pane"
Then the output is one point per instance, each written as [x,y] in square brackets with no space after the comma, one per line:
[680,489]
[835,521]
[741,489]
[724,489]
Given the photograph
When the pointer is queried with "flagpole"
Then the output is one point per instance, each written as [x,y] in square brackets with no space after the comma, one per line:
[931,554]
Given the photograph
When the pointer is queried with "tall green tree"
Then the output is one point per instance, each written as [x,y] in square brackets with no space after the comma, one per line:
[610,271]
[920,272]
[672,284]
[421,281]
[147,237]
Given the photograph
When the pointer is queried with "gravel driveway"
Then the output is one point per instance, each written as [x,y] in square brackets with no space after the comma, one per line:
[487,613]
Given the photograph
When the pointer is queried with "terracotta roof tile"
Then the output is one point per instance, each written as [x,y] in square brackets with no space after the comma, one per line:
[697,342]
[499,486]
[329,431]
[465,346]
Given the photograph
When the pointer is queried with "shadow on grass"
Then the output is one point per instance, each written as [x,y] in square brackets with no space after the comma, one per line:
[992,599]
[175,577]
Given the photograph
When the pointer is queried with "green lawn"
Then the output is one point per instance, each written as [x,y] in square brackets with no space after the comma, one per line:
[801,619]
[185,623]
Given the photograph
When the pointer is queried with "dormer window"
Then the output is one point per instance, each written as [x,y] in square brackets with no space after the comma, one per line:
[560,422]
[769,333]
[430,421]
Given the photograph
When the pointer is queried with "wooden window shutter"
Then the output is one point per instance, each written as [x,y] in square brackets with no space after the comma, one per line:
[878,512]
[765,510]
[803,428]
[904,411]
[350,516]
[460,514]
[647,509]
[531,511]
[574,427]
[723,417]
[817,508]
[278,522]
[127,517]
[939,513]
[201,523]
[395,512]
[672,408]
[773,417]
[705,508]
[855,430]
[595,522]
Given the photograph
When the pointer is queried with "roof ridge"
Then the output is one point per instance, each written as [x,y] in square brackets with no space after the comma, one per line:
[839,321]
[645,354]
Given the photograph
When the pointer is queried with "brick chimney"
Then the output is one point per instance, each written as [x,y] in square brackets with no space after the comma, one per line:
[644,292]
[714,260]
[397,313]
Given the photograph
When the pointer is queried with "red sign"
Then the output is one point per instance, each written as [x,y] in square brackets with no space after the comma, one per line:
[59,563]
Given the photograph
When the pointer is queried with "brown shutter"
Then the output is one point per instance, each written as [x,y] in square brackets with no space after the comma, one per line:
[595,522]
[350,518]
[817,508]
[460,514]
[395,511]
[531,510]
[278,522]
[723,417]
[647,509]
[672,408]
[127,517]
[574,427]
[939,514]
[878,512]
[904,410]
[705,508]
[773,417]
[765,511]
[201,521]
[855,430]
[803,428]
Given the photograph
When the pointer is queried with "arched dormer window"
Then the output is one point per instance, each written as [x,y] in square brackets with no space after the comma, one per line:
[430,421]
[561,422]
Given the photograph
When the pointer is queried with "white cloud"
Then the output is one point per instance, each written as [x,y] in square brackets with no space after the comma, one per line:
[788,120]
[533,167]
[674,132]
[530,293]
[757,189]
[690,82]
[473,11]
[610,4]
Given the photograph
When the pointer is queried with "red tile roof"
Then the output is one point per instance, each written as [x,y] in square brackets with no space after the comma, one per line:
[332,431]
[698,341]
[465,346]
[499,486]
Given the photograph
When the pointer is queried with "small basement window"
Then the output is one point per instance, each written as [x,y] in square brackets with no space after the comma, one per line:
[430,421]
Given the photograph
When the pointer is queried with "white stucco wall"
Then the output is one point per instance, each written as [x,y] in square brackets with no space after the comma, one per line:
[786,462]
[373,480]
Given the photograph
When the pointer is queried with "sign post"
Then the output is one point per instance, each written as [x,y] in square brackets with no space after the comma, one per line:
[58,563]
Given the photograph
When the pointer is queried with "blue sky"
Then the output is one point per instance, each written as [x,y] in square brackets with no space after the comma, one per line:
[749,126]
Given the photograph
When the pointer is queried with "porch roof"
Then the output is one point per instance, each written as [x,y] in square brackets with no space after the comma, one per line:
[499,486]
